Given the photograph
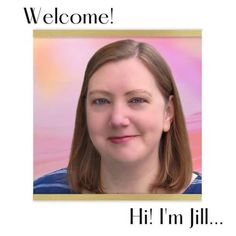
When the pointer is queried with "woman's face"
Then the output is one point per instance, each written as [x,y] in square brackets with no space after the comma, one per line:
[126,112]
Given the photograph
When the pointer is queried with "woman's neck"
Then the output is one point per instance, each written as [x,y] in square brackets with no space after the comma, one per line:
[128,178]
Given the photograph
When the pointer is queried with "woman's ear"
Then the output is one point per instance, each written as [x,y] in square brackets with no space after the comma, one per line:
[168,114]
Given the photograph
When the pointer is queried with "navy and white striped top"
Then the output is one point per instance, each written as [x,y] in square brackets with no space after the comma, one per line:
[57,183]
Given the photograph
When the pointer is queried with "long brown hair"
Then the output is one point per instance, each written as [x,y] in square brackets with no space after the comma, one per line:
[174,151]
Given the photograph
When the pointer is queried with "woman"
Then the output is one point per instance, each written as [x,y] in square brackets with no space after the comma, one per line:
[130,134]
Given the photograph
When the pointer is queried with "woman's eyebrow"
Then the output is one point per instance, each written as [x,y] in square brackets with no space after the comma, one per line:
[104,92]
[132,92]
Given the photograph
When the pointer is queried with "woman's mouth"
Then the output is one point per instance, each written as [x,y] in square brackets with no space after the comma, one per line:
[122,139]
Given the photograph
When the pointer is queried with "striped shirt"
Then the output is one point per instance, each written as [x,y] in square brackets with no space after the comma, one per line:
[56,182]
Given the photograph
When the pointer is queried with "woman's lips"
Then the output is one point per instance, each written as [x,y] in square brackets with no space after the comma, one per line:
[122,139]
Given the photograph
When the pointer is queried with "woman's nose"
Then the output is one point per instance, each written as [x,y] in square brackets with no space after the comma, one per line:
[119,117]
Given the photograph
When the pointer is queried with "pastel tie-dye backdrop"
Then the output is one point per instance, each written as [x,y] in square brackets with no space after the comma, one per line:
[59,65]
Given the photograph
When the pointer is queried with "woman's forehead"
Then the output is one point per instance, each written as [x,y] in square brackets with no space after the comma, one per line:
[127,72]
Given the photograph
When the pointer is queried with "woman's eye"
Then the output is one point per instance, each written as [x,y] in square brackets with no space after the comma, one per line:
[100,101]
[137,100]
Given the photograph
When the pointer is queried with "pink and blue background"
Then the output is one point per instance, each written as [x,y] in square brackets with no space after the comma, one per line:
[59,65]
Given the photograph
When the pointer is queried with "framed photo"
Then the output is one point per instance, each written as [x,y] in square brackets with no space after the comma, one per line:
[60,60]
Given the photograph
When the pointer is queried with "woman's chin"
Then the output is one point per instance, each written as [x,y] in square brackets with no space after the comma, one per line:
[126,158]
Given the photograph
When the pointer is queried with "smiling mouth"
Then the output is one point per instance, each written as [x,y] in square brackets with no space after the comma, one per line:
[122,139]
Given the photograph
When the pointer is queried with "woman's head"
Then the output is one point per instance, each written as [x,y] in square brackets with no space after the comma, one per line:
[126,113]
[129,110]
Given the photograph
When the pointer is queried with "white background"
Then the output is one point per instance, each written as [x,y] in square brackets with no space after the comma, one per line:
[20,215]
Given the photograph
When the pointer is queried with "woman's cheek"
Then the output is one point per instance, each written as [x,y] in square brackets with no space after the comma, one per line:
[96,123]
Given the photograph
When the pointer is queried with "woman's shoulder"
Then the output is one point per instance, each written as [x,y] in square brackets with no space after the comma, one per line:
[55,182]
[196,186]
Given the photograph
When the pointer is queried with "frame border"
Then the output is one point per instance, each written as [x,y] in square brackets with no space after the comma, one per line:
[117,197]
[116,33]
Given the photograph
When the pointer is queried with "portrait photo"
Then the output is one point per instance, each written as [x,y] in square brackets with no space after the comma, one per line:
[117,114]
